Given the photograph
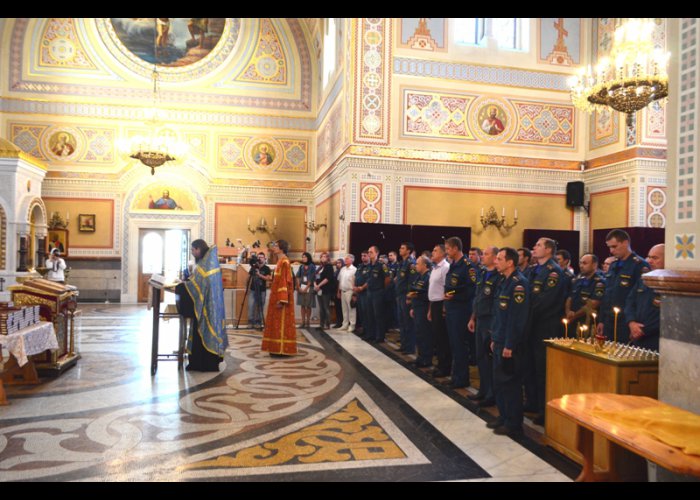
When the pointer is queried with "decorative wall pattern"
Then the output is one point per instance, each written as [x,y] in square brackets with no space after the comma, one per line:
[470,117]
[605,128]
[343,216]
[654,124]
[330,138]
[197,144]
[685,246]
[430,114]
[495,75]
[373,81]
[263,154]
[3,238]
[27,137]
[656,203]
[687,156]
[544,124]
[560,40]
[631,131]
[61,47]
[423,33]
[99,145]
[370,202]
[268,63]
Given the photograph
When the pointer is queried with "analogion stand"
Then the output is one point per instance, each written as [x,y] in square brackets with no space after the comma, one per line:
[178,356]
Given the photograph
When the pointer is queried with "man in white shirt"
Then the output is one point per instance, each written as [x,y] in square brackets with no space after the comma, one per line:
[346,281]
[436,294]
[56,265]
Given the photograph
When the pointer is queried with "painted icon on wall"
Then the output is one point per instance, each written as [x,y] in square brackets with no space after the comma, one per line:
[58,238]
[62,144]
[492,119]
[86,223]
[263,154]
[165,202]
[169,41]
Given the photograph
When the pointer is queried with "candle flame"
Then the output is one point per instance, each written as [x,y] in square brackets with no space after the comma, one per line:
[565,321]
[616,310]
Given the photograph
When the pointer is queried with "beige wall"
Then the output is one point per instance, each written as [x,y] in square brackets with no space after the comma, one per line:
[231,221]
[609,209]
[535,211]
[327,211]
[103,209]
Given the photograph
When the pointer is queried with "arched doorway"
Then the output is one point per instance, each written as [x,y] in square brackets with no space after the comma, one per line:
[161,251]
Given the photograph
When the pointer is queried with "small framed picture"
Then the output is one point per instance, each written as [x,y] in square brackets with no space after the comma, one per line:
[86,223]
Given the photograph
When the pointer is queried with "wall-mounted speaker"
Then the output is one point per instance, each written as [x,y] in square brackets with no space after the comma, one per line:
[574,194]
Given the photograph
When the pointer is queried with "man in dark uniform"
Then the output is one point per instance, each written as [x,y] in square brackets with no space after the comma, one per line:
[524,257]
[475,255]
[480,326]
[623,277]
[404,275]
[546,310]
[563,258]
[418,297]
[510,312]
[377,280]
[360,290]
[587,290]
[643,307]
[460,288]
[391,313]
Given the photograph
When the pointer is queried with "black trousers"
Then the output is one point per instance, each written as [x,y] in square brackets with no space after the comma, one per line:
[508,386]
[484,360]
[441,341]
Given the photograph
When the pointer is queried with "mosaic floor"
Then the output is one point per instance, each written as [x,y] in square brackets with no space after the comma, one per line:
[341,410]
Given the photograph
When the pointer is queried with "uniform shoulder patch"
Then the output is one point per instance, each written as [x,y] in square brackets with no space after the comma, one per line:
[600,284]
[550,266]
[554,275]
[519,288]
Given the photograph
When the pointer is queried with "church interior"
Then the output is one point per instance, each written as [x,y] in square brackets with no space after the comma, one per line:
[122,140]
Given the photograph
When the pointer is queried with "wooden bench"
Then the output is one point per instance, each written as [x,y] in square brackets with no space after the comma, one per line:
[579,408]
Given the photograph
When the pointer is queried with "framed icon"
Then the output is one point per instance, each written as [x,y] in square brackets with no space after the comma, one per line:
[86,223]
[58,238]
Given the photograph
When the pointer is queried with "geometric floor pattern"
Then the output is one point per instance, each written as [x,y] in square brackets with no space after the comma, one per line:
[340,410]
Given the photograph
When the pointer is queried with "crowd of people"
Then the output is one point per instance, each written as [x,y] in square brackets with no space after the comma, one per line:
[491,307]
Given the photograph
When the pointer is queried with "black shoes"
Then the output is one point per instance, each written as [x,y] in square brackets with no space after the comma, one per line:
[476,397]
[499,422]
[539,419]
[507,431]
[485,403]
[440,374]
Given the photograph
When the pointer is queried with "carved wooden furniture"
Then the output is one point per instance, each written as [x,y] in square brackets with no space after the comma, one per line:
[590,430]
[57,304]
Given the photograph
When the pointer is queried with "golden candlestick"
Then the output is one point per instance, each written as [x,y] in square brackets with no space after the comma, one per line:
[566,328]
[616,310]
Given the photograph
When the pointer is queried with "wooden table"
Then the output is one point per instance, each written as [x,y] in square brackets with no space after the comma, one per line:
[577,371]
[20,368]
[579,408]
[157,316]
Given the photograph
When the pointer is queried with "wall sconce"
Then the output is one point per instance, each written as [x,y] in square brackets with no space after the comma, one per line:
[313,227]
[341,216]
[262,227]
[492,218]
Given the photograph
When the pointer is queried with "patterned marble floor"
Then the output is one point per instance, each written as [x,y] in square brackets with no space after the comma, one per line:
[341,410]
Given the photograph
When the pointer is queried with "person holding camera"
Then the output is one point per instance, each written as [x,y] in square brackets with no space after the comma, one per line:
[260,274]
[56,266]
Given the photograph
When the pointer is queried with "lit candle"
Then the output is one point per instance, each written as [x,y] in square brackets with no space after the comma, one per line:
[566,328]
[304,215]
[516,213]
[275,222]
[482,211]
[616,310]
[595,326]
[584,330]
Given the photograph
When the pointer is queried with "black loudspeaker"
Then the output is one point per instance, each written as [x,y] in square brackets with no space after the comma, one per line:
[574,194]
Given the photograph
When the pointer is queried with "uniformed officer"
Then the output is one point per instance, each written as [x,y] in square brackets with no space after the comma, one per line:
[363,308]
[419,305]
[643,307]
[377,280]
[460,287]
[480,325]
[391,313]
[587,290]
[546,310]
[623,277]
[404,276]
[563,258]
[510,313]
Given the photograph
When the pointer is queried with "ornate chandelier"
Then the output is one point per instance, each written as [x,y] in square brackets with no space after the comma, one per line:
[632,77]
[159,145]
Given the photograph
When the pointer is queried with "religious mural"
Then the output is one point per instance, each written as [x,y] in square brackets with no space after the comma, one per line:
[560,40]
[62,144]
[169,41]
[163,197]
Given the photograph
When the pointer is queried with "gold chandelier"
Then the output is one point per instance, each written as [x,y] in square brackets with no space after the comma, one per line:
[159,145]
[632,77]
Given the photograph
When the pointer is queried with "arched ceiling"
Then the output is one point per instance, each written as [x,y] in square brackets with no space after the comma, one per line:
[256,63]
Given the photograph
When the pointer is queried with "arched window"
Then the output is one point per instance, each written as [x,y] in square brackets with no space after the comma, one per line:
[512,33]
[329,50]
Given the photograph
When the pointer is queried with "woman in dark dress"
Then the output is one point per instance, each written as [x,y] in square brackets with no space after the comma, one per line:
[201,298]
[323,286]
[305,288]
[339,264]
